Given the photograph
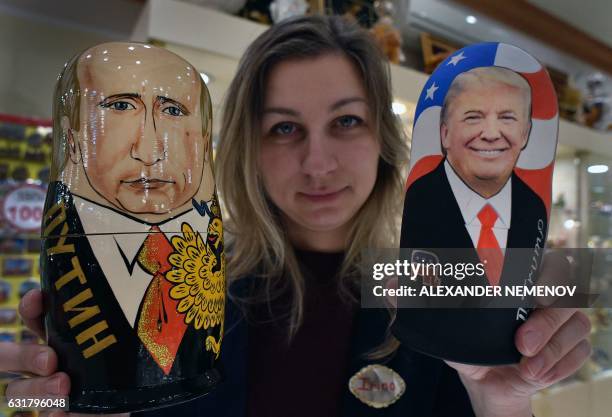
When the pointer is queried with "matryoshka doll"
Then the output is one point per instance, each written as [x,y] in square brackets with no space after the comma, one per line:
[133,267]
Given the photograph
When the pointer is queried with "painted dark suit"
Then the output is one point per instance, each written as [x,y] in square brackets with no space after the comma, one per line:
[96,318]
[432,219]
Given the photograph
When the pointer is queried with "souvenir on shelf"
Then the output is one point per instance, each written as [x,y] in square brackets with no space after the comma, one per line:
[386,34]
[132,263]
[26,336]
[7,335]
[478,193]
[16,266]
[27,285]
[5,291]
[8,316]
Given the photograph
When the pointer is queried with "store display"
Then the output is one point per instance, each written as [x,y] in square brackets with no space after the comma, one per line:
[4,171]
[8,315]
[33,246]
[16,266]
[22,206]
[132,263]
[12,132]
[435,50]
[8,246]
[20,173]
[257,11]
[479,188]
[387,36]
[28,337]
[43,175]
[570,100]
[5,291]
[597,104]
[24,148]
[7,336]
[284,9]
[28,285]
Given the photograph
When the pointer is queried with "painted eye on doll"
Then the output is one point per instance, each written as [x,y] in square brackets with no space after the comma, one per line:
[473,117]
[119,106]
[173,111]
[509,117]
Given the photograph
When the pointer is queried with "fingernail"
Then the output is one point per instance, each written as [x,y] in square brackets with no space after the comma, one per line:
[53,385]
[41,361]
[535,365]
[531,340]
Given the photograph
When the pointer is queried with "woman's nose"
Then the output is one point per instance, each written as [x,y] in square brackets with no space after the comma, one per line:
[320,156]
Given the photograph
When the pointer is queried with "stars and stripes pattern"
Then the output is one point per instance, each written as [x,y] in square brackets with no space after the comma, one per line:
[535,164]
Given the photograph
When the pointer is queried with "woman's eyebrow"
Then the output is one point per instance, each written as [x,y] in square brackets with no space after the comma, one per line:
[345,101]
[281,110]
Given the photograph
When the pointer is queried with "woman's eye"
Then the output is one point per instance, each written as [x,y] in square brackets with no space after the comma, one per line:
[349,121]
[120,106]
[173,111]
[284,129]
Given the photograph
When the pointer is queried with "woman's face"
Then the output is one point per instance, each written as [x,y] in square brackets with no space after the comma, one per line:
[319,154]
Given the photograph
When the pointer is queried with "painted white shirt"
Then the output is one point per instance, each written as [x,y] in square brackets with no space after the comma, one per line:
[128,288]
[471,203]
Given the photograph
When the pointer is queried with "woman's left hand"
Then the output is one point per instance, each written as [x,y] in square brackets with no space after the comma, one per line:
[554,344]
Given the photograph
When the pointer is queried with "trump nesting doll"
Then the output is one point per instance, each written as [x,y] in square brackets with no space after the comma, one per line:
[478,196]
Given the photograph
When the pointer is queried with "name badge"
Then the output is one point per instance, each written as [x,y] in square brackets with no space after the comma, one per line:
[377,386]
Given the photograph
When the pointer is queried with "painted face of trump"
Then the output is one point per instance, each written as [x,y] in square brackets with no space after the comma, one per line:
[485,123]
[141,142]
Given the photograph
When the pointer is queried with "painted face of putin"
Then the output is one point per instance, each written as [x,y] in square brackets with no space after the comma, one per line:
[485,124]
[141,142]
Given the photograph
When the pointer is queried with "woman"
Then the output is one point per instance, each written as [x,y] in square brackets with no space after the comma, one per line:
[309,171]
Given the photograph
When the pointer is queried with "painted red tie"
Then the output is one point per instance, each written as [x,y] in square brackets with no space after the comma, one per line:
[160,327]
[488,248]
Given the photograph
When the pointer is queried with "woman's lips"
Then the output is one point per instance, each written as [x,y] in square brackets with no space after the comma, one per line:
[321,197]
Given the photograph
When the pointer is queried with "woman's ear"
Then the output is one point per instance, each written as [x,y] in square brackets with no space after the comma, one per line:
[68,133]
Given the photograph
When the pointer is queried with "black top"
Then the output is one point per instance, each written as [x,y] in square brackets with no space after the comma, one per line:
[307,375]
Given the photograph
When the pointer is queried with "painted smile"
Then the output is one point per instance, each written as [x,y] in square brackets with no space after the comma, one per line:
[147,183]
[488,153]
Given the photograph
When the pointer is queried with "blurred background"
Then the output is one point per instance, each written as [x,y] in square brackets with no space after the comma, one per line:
[573,39]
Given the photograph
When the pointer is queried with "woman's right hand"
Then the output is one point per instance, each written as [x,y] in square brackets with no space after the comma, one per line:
[37,360]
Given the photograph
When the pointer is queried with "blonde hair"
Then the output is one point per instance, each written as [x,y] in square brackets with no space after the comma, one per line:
[259,245]
[484,75]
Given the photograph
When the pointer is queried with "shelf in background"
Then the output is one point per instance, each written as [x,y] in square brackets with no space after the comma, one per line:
[214,42]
